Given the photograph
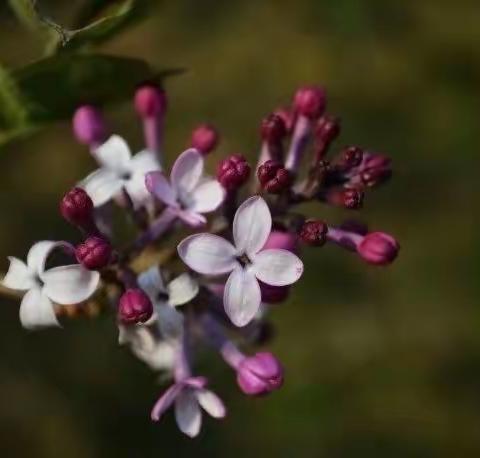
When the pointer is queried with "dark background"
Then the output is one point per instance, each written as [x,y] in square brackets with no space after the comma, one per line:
[380,362]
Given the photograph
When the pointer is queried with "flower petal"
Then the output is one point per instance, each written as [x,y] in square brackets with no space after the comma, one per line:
[277,267]
[143,162]
[158,185]
[137,190]
[208,254]
[182,289]
[170,321]
[36,310]
[186,171]
[70,284]
[206,197]
[102,185]
[19,276]
[165,401]
[38,254]
[252,225]
[187,413]
[114,154]
[211,403]
[241,297]
[191,218]
[151,281]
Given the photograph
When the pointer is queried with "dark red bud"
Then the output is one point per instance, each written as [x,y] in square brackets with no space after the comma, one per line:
[77,207]
[314,232]
[273,177]
[95,253]
[134,307]
[233,172]
[350,158]
[327,129]
[204,138]
[352,199]
[310,101]
[273,129]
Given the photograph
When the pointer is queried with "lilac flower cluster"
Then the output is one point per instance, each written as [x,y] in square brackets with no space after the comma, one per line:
[169,290]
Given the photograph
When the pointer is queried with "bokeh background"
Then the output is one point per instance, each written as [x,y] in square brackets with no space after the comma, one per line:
[380,362]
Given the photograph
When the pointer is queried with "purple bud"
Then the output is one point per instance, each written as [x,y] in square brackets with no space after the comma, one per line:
[150,101]
[352,199]
[77,207]
[310,101]
[233,172]
[89,126]
[287,116]
[260,374]
[94,253]
[204,138]
[273,129]
[376,169]
[281,240]
[314,232]
[378,248]
[273,294]
[327,129]
[134,307]
[273,177]
[350,158]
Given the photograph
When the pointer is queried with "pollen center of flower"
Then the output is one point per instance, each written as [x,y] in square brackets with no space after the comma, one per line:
[244,260]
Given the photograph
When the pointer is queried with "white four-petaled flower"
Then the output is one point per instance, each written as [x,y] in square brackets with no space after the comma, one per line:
[63,285]
[246,262]
[119,170]
[188,194]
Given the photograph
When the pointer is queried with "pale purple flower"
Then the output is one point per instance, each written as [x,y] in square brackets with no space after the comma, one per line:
[188,396]
[64,285]
[246,262]
[118,171]
[188,194]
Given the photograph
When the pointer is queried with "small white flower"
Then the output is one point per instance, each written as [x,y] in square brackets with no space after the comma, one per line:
[63,285]
[188,396]
[246,261]
[188,193]
[119,170]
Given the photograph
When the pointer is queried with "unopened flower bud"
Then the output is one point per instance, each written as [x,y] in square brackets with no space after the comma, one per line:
[274,294]
[327,129]
[204,138]
[94,253]
[273,129]
[378,248]
[281,240]
[350,158]
[89,126]
[273,177]
[314,232]
[150,101]
[310,101]
[287,116]
[352,199]
[134,307]
[233,172]
[260,374]
[376,169]
[77,207]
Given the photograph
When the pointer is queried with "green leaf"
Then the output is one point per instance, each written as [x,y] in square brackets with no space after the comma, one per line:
[13,112]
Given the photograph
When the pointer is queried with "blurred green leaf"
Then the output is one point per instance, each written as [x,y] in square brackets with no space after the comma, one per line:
[51,89]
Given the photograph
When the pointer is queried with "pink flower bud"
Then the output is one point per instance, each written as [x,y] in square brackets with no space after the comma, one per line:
[260,374]
[281,240]
[89,126]
[287,116]
[94,253]
[77,207]
[134,307]
[204,138]
[327,129]
[273,177]
[310,101]
[150,101]
[378,248]
[350,158]
[314,232]
[273,129]
[233,172]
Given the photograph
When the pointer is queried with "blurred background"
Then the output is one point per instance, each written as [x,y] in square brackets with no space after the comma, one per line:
[380,362]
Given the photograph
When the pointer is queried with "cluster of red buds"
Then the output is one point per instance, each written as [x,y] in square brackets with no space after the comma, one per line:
[240,261]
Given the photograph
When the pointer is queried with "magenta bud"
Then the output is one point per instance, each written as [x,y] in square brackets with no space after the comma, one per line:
[260,374]
[352,199]
[376,169]
[94,253]
[287,116]
[233,172]
[204,138]
[273,129]
[134,307]
[88,125]
[273,294]
[350,158]
[310,101]
[273,177]
[378,248]
[314,232]
[150,101]
[281,240]
[327,129]
[77,207]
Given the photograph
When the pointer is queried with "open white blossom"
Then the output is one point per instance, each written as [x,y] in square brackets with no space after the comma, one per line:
[64,285]
[119,170]
[246,262]
[188,194]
